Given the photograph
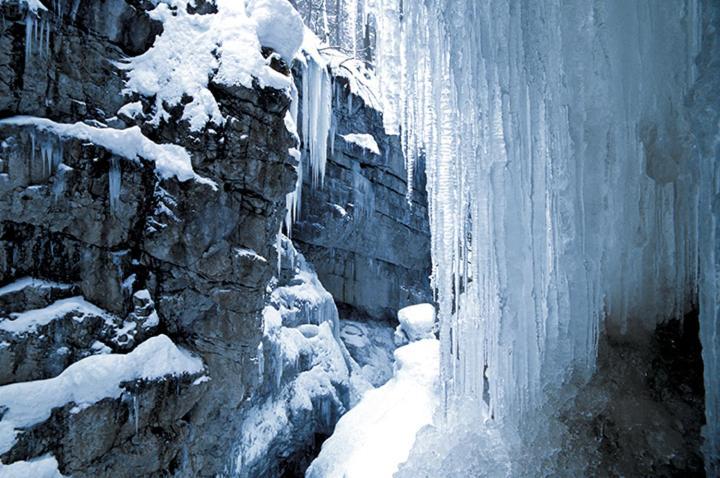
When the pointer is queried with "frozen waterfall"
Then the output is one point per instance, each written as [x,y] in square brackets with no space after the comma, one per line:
[563,180]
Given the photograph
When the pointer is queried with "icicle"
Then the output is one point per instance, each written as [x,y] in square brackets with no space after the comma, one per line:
[114,183]
[550,210]
[316,116]
[30,22]
[136,413]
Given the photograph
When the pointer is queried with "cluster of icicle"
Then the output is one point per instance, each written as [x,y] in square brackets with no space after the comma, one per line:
[563,197]
[317,134]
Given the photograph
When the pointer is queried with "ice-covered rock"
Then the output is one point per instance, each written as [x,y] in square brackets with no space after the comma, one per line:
[308,377]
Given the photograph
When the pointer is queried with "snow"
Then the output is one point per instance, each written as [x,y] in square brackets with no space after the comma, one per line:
[376,436]
[29,321]
[88,381]
[224,47]
[278,26]
[26,282]
[364,140]
[417,322]
[131,110]
[171,161]
[43,467]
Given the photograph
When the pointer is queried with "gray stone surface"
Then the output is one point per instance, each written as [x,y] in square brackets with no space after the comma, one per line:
[178,240]
[371,249]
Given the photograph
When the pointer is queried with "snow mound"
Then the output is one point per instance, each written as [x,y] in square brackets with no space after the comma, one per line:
[364,140]
[88,381]
[375,437]
[170,160]
[417,322]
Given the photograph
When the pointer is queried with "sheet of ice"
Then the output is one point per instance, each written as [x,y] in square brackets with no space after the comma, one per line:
[29,321]
[364,140]
[225,46]
[26,282]
[417,321]
[376,436]
[171,160]
[43,467]
[88,381]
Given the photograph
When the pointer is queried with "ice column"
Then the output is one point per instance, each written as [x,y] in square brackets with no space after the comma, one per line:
[561,195]
[706,128]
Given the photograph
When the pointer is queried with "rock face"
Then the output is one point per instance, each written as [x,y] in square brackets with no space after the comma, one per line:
[109,226]
[369,245]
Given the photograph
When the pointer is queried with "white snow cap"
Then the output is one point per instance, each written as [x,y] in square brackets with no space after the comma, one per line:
[364,140]
[278,26]
[417,321]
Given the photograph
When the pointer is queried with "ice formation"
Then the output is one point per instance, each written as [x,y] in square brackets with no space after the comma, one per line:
[562,198]
[316,107]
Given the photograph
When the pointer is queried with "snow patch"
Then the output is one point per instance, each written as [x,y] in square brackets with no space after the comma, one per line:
[26,282]
[43,467]
[364,140]
[225,47]
[29,321]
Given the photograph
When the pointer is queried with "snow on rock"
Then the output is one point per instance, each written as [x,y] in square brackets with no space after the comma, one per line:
[170,160]
[417,322]
[309,375]
[278,26]
[364,140]
[376,436]
[88,381]
[43,467]
[29,321]
[224,47]
[26,282]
